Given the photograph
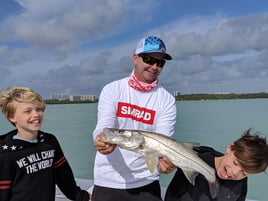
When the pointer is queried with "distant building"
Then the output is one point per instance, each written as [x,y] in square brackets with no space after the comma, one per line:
[73,97]
[88,97]
[65,97]
[176,93]
[60,97]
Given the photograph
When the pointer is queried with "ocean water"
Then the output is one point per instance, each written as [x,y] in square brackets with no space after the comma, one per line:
[215,123]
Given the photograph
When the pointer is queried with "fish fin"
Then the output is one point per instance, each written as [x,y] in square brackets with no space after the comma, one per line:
[190,175]
[151,161]
[192,144]
[214,189]
[213,186]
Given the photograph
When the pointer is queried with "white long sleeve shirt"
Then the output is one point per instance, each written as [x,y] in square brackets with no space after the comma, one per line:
[123,107]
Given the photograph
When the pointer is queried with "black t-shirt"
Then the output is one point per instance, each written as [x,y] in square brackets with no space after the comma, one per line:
[180,189]
[30,171]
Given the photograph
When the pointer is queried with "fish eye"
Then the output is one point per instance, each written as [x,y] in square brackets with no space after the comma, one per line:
[127,133]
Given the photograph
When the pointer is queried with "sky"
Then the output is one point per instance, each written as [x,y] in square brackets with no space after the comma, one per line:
[75,47]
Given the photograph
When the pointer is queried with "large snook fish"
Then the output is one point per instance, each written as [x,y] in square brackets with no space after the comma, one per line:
[155,145]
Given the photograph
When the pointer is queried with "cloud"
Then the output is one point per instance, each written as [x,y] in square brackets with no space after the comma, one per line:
[126,64]
[227,36]
[5,74]
[218,56]
[81,45]
[17,56]
[94,65]
[60,29]
[86,77]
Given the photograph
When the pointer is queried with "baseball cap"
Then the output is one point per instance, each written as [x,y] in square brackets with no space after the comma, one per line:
[152,44]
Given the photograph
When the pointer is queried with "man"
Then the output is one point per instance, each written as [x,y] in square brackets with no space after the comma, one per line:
[135,102]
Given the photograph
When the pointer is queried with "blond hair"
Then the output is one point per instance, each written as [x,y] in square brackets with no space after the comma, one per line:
[21,95]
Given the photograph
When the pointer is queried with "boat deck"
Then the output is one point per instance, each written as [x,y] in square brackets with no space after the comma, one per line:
[87,184]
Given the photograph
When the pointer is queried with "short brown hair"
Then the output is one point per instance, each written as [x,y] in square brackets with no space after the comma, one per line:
[19,94]
[251,150]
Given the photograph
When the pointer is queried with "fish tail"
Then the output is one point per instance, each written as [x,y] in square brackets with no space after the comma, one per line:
[214,189]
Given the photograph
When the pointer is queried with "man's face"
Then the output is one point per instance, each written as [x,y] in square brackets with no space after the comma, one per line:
[148,66]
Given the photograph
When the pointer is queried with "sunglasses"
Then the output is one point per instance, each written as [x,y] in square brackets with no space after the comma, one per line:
[151,61]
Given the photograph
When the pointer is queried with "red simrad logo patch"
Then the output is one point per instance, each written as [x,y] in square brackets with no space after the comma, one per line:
[136,113]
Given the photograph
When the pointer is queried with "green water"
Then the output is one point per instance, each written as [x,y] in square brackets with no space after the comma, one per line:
[214,123]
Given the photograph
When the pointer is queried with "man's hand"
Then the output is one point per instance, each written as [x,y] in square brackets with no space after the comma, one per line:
[165,166]
[103,147]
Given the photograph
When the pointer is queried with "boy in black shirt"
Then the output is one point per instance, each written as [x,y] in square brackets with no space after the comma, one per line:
[247,155]
[32,161]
